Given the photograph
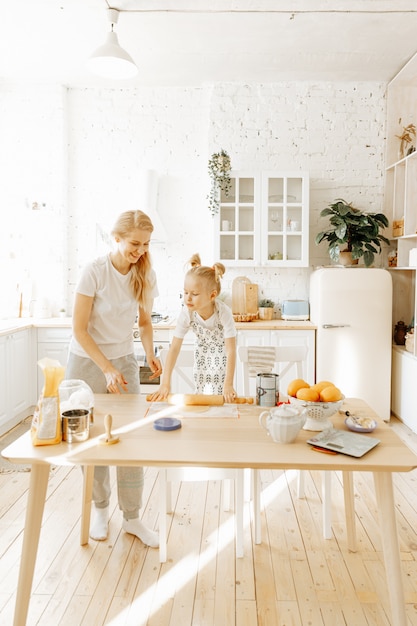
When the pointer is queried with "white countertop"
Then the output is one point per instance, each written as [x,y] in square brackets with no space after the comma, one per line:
[19,323]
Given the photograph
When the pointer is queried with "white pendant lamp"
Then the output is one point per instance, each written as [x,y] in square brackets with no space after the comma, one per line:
[110,60]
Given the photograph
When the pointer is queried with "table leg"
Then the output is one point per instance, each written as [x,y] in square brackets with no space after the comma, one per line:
[300,484]
[88,477]
[386,509]
[327,504]
[34,513]
[349,510]
[163,479]
[239,505]
[256,488]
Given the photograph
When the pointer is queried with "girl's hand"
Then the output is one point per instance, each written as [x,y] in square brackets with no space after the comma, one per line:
[114,380]
[156,367]
[160,395]
[229,393]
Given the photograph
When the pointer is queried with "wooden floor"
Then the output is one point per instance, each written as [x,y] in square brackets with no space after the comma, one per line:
[295,577]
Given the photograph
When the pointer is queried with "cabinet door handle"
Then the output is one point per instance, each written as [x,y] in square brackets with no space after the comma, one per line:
[336,326]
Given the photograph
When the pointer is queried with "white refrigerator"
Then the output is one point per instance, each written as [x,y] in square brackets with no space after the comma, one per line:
[352,309]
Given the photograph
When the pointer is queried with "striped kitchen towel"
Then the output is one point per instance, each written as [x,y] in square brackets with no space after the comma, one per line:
[260,360]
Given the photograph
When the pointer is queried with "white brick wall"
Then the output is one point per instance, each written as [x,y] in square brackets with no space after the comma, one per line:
[99,140]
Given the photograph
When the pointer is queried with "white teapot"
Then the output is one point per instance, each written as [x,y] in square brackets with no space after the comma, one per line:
[283,422]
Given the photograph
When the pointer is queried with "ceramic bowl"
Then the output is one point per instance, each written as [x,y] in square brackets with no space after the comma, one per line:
[357,428]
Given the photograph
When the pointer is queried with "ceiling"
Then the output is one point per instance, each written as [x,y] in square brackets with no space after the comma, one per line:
[192,42]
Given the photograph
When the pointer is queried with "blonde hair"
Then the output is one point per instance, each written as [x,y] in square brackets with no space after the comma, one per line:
[211,275]
[140,271]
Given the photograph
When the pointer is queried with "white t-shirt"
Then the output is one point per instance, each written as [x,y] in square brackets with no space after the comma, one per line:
[114,308]
[225,317]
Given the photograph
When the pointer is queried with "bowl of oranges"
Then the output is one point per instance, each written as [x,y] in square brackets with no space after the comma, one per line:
[320,402]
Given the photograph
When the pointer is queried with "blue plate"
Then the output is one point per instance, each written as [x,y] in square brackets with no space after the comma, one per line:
[167,423]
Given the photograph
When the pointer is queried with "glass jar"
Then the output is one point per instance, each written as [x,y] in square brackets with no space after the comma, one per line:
[76,394]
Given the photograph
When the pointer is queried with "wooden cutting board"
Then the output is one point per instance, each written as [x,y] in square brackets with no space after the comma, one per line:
[251,298]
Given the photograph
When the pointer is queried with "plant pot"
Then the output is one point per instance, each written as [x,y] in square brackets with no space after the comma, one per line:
[345,258]
[266,313]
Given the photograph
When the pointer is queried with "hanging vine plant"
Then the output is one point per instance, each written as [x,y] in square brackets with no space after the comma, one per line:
[219,167]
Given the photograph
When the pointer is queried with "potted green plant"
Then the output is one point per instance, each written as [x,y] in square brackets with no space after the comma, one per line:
[354,232]
[266,309]
[219,167]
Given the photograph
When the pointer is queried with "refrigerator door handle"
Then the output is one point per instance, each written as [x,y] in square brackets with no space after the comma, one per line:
[335,325]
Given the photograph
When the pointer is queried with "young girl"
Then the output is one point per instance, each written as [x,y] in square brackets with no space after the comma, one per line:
[212,322]
[111,291]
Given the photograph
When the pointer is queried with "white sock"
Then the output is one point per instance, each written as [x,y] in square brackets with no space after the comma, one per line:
[146,535]
[100,525]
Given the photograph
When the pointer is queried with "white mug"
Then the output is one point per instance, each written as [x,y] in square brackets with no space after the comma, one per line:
[293,225]
[226,225]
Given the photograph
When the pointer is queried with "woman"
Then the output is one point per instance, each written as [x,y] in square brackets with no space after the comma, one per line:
[112,290]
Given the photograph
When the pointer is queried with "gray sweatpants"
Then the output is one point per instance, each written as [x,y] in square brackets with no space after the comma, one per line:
[129,479]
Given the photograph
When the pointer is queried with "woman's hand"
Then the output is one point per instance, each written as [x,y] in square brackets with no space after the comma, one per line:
[160,394]
[156,367]
[115,380]
[229,394]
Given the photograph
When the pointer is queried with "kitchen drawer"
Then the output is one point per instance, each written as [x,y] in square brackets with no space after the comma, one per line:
[54,334]
[161,334]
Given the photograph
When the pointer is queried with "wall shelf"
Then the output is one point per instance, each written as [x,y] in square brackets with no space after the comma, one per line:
[400,203]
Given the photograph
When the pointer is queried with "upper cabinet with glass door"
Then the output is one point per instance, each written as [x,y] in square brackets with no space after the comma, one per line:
[237,226]
[285,219]
[264,220]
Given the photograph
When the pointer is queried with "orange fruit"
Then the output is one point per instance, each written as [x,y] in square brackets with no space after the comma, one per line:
[322,385]
[295,385]
[309,394]
[330,394]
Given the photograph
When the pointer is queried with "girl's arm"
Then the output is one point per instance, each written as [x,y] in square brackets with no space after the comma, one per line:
[165,387]
[80,318]
[146,337]
[229,392]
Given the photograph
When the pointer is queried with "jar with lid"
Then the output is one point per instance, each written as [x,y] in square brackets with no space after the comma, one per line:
[400,332]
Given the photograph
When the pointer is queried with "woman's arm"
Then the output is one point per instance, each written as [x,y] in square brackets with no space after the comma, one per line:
[165,387]
[146,337]
[80,319]
[229,392]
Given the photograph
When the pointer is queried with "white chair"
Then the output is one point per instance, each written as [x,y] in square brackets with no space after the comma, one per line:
[183,375]
[285,358]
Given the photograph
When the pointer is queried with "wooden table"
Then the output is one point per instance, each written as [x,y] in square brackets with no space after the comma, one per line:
[210,442]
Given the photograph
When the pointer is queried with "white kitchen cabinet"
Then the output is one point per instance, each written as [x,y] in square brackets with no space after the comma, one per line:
[400,205]
[295,337]
[52,343]
[264,220]
[403,386]
[16,378]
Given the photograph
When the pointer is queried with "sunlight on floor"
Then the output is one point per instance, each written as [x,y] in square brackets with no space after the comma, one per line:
[182,572]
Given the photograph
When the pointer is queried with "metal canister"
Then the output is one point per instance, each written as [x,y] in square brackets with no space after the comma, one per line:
[75,425]
[267,389]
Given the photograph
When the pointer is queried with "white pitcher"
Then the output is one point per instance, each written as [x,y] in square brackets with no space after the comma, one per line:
[283,423]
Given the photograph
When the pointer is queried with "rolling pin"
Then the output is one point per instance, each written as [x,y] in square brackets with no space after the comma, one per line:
[199,399]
